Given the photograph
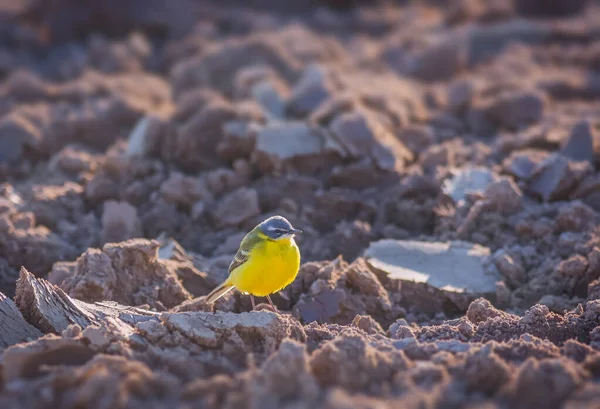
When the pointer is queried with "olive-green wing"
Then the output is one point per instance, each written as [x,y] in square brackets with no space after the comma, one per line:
[243,254]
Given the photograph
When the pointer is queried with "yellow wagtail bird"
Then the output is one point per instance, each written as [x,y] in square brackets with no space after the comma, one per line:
[266,262]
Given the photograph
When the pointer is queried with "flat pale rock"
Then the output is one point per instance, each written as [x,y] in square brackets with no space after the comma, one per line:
[451,266]
[144,136]
[291,139]
[470,180]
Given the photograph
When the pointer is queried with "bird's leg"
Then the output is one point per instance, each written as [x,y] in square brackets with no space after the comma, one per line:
[252,301]
[271,302]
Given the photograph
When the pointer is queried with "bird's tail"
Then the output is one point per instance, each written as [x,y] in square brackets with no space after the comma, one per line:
[219,292]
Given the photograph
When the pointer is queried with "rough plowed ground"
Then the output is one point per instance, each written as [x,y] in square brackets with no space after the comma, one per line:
[140,141]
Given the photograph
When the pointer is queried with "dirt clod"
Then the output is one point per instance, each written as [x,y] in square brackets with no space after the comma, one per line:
[129,273]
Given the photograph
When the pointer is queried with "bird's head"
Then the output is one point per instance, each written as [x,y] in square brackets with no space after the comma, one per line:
[277,228]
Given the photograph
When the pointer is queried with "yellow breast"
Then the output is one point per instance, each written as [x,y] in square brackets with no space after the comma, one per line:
[271,266]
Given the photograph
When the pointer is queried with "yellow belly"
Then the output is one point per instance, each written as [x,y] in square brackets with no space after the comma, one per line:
[270,267]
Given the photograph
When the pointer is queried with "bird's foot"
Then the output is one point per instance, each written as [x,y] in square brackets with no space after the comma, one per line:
[271,303]
[261,307]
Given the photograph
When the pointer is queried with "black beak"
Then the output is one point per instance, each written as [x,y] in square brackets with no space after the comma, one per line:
[295,231]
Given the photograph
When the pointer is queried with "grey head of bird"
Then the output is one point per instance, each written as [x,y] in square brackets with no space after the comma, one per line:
[278,227]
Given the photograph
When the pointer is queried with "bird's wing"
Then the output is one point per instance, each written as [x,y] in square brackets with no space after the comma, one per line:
[243,254]
[240,258]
